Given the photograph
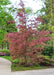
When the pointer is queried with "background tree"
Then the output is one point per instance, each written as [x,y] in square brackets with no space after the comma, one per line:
[50,17]
[4,17]
[47,16]
[46,13]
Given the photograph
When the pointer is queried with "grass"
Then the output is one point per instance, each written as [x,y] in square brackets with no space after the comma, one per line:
[7,57]
[15,67]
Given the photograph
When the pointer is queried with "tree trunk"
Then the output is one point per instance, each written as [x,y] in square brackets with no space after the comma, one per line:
[25,60]
[7,45]
[2,45]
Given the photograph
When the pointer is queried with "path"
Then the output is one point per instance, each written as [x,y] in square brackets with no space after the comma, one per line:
[5,69]
[36,72]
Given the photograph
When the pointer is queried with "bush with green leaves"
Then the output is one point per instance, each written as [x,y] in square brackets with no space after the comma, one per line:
[15,61]
[6,51]
[53,57]
[46,61]
[48,50]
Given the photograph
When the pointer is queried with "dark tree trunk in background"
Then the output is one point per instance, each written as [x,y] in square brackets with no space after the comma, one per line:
[2,45]
[7,45]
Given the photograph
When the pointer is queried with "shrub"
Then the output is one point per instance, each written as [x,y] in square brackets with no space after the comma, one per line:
[37,65]
[6,51]
[28,42]
[53,57]
[48,51]
[15,61]
[46,61]
[2,54]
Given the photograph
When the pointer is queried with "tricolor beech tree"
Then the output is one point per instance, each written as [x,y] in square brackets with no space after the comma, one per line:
[28,43]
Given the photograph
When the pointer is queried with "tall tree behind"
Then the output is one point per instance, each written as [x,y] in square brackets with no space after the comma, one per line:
[52,19]
[4,17]
[48,18]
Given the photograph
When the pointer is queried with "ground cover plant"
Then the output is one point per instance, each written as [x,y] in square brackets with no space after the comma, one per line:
[27,44]
[7,57]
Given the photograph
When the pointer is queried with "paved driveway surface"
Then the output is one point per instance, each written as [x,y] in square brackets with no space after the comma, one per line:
[35,72]
[5,67]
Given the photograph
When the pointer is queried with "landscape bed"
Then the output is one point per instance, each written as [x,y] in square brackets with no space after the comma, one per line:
[16,67]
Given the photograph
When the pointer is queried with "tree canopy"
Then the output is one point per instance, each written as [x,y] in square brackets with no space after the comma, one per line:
[4,17]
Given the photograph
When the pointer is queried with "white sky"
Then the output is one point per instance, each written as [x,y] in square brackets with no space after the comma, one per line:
[34,5]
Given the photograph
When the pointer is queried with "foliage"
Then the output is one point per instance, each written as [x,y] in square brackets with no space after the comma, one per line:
[6,57]
[53,57]
[28,43]
[4,2]
[2,54]
[48,18]
[48,51]
[28,10]
[15,61]
[47,15]
[4,17]
[46,61]
[6,51]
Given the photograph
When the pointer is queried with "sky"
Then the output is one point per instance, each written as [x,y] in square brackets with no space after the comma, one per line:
[35,5]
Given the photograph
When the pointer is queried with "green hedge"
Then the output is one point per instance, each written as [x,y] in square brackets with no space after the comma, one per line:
[6,51]
[48,51]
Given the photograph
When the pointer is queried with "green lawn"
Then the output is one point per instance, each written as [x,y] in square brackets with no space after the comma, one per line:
[7,57]
[15,67]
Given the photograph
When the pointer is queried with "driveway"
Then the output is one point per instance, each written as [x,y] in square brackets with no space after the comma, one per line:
[35,72]
[5,67]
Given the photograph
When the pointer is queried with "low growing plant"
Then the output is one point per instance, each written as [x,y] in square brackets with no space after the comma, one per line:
[6,51]
[46,61]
